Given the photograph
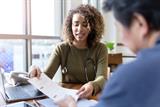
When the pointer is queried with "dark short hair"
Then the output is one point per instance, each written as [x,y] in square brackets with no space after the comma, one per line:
[93,17]
[124,11]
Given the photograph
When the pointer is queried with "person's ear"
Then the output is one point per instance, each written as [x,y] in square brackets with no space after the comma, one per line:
[89,28]
[143,26]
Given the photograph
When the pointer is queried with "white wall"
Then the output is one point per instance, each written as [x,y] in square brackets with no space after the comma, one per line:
[110,29]
[58,20]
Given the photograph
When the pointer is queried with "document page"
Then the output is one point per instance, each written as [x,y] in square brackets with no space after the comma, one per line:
[52,89]
[80,103]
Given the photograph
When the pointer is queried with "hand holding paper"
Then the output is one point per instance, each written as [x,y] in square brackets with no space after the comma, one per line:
[52,89]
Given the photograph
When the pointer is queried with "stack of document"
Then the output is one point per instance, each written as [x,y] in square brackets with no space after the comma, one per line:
[55,93]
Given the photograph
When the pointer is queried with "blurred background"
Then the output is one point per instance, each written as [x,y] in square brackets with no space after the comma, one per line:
[30,29]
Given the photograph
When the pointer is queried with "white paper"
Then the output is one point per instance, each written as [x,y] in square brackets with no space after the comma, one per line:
[86,103]
[81,103]
[52,89]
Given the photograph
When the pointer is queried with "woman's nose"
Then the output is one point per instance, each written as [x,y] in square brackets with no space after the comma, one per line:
[80,27]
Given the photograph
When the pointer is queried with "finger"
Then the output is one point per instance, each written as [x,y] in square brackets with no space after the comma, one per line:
[88,94]
[85,94]
[34,72]
[38,73]
[80,90]
[82,94]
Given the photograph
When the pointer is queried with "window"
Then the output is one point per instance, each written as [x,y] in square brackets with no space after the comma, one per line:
[27,33]
[12,17]
[12,55]
[41,50]
[42,17]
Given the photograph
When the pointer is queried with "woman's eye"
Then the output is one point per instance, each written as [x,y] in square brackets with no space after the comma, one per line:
[85,24]
[75,24]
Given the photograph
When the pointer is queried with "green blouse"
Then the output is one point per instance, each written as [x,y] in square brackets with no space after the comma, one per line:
[79,65]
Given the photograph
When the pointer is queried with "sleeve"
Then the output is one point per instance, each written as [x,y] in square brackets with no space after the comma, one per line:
[101,75]
[53,62]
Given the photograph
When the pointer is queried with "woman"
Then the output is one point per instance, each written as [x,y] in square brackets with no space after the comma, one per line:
[135,84]
[82,57]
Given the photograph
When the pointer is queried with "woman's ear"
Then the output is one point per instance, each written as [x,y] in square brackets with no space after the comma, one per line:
[143,26]
[89,27]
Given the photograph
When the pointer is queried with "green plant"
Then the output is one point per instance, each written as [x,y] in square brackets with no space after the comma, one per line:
[110,46]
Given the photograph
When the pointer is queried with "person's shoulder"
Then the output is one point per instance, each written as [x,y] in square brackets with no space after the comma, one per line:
[99,45]
[129,70]
[128,66]
[62,44]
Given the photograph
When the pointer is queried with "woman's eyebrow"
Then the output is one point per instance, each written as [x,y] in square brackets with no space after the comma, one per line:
[75,21]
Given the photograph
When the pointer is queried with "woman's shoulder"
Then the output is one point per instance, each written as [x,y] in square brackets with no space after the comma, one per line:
[100,45]
[99,48]
[62,44]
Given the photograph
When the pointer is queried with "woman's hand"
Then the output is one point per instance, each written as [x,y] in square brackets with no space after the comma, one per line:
[86,90]
[34,72]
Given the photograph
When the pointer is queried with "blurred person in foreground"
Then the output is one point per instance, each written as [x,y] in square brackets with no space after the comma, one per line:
[135,84]
[82,57]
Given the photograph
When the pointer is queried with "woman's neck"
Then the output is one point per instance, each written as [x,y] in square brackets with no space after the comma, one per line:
[80,45]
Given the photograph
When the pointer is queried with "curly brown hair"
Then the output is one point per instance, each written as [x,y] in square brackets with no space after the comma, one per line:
[93,17]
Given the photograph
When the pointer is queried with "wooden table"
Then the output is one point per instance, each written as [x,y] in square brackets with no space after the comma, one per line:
[114,59]
[66,85]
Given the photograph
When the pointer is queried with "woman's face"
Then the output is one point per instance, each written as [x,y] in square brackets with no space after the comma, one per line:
[80,28]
